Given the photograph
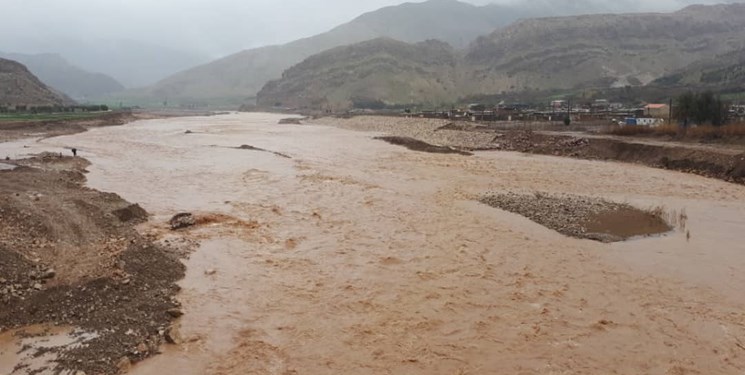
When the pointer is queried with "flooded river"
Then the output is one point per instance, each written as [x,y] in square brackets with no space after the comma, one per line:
[366,258]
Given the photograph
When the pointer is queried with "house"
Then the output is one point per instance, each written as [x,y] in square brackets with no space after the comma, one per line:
[643,121]
[600,105]
[657,110]
[558,104]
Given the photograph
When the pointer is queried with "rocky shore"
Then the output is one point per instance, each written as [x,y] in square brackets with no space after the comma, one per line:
[582,217]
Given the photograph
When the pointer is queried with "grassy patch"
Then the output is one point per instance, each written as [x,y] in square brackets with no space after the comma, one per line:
[16,117]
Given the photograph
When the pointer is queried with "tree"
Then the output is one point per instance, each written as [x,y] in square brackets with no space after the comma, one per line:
[700,108]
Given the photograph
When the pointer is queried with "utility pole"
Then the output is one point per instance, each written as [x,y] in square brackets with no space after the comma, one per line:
[670,115]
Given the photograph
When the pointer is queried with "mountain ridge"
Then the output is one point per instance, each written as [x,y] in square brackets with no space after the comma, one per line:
[242,75]
[60,74]
[555,53]
[18,87]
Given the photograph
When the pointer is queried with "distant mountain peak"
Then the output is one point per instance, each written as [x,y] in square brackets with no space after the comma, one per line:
[21,88]
[59,74]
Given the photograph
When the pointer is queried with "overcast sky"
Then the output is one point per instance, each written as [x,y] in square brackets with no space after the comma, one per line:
[211,27]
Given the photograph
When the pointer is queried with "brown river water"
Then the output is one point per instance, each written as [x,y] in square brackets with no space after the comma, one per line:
[367,258]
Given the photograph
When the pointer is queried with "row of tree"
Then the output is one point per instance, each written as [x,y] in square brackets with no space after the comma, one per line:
[701,109]
[53,109]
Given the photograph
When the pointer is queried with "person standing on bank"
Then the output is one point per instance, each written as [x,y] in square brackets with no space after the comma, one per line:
[74,152]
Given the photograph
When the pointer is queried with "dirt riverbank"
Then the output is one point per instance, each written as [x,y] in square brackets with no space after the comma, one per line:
[70,256]
[711,162]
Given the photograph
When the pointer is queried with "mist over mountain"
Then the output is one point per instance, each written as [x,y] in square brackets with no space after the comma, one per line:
[224,51]
[58,73]
[238,77]
[131,63]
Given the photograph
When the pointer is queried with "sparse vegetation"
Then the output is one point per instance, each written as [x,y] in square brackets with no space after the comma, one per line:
[696,132]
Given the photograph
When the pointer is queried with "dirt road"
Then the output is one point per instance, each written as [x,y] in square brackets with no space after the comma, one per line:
[357,256]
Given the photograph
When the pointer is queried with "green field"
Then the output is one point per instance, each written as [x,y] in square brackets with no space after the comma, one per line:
[15,117]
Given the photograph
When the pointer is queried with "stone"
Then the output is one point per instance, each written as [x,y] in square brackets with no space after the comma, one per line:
[142,348]
[48,274]
[173,336]
[182,220]
[175,313]
[124,364]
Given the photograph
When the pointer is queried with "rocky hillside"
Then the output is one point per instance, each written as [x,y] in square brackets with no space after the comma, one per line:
[242,75]
[61,75]
[19,87]
[600,50]
[537,55]
[372,73]
[722,73]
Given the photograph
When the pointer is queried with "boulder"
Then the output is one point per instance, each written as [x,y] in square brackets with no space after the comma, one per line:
[182,220]
[290,121]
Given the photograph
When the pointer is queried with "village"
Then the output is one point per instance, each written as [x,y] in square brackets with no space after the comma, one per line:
[599,112]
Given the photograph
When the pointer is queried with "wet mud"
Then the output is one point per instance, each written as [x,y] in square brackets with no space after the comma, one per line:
[417,145]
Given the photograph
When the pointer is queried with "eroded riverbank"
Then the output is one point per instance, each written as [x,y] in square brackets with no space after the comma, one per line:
[363,257]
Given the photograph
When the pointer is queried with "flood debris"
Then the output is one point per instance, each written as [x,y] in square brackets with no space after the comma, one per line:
[417,145]
[252,148]
[182,220]
[582,217]
[290,121]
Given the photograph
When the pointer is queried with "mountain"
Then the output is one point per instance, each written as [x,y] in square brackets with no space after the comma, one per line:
[59,74]
[19,87]
[536,55]
[240,76]
[131,63]
[723,73]
[380,71]
[600,50]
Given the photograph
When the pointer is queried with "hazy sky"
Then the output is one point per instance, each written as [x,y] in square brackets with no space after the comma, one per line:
[212,27]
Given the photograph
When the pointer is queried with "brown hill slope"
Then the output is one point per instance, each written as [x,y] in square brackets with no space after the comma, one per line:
[538,55]
[600,50]
[19,87]
[242,75]
[722,73]
[383,70]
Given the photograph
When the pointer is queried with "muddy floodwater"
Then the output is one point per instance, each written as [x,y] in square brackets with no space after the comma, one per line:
[367,258]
